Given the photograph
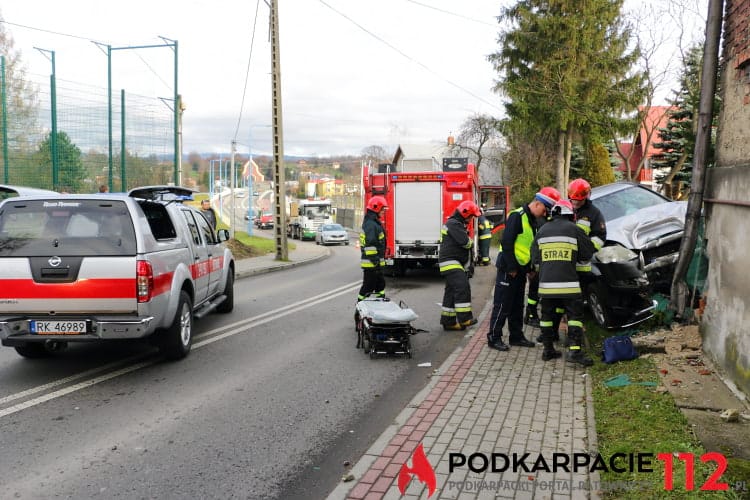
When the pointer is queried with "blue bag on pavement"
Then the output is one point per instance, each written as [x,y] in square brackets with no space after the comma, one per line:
[618,348]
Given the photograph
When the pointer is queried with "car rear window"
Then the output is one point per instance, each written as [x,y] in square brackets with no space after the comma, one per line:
[38,228]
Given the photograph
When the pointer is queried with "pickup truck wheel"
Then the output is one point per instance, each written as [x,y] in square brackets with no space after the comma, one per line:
[228,304]
[178,338]
[32,350]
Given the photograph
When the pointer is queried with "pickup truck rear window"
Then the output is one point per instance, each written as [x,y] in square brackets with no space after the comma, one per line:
[66,228]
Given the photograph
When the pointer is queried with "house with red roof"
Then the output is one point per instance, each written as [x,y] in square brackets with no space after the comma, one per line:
[640,152]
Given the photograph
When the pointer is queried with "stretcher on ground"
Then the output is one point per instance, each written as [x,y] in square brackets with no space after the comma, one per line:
[384,327]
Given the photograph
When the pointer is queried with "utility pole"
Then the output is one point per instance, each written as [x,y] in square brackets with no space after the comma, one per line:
[231,190]
[679,290]
[279,183]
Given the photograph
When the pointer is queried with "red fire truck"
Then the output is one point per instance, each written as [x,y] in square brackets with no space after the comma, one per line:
[419,202]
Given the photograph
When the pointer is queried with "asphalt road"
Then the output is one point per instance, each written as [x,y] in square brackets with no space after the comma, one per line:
[271,402]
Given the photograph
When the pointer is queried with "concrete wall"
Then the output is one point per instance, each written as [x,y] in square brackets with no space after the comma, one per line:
[726,321]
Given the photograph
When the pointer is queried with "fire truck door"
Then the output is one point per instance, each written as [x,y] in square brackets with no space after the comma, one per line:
[495,201]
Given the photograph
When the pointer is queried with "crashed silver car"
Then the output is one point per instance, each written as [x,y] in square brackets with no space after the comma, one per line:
[645,222]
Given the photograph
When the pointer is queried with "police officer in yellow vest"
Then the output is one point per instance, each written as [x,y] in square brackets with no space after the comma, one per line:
[485,237]
[513,263]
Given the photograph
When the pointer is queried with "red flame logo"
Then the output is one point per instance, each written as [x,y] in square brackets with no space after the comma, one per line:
[421,469]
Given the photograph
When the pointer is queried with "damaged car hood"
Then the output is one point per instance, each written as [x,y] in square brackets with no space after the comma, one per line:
[649,227]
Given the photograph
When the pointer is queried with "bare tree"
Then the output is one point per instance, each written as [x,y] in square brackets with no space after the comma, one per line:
[659,69]
[21,95]
[374,154]
[480,136]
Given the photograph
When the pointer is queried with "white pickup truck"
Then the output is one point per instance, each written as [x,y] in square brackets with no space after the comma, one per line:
[83,268]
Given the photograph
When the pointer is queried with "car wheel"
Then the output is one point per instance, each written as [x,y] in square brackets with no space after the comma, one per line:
[597,305]
[228,304]
[178,338]
[32,350]
[346,243]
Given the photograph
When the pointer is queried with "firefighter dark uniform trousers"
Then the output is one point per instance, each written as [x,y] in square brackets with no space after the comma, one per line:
[558,245]
[485,238]
[514,257]
[454,258]
[372,250]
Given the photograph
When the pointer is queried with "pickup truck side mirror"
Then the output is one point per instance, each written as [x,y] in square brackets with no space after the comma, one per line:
[223,234]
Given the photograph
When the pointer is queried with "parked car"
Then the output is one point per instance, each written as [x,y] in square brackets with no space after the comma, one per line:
[645,222]
[7,191]
[264,220]
[329,234]
[98,267]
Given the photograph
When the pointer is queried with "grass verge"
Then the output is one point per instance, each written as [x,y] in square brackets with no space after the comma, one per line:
[638,419]
[244,245]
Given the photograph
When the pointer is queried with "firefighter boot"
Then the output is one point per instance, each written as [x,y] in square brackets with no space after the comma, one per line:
[531,318]
[469,322]
[549,350]
[575,350]
[454,327]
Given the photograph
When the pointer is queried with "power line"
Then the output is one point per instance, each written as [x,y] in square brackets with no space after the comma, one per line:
[247,71]
[452,13]
[77,37]
[52,32]
[402,53]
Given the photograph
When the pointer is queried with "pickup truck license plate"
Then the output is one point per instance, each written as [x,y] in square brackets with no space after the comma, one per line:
[57,327]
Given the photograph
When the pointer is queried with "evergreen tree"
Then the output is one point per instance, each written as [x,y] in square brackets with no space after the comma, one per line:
[565,69]
[72,174]
[677,139]
[598,168]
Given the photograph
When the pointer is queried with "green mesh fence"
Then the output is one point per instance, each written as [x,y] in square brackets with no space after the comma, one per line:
[81,141]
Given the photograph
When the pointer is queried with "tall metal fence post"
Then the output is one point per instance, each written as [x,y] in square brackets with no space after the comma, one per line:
[5,120]
[123,147]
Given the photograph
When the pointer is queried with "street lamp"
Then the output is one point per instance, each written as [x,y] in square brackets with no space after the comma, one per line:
[176,108]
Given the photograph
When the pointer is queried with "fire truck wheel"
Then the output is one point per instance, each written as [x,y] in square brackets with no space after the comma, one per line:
[32,350]
[178,338]
[228,304]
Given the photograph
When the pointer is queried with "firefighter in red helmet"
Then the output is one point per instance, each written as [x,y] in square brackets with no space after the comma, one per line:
[455,258]
[531,316]
[556,249]
[588,217]
[372,250]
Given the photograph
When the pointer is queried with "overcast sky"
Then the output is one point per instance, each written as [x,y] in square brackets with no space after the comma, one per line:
[354,73]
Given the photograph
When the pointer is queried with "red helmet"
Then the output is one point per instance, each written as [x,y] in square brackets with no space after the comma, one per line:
[467,209]
[563,207]
[376,204]
[579,189]
[548,196]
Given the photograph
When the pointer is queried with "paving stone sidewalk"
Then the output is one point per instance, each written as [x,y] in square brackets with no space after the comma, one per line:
[482,401]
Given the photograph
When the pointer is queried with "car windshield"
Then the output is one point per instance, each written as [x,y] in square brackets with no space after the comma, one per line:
[316,211]
[333,227]
[626,201]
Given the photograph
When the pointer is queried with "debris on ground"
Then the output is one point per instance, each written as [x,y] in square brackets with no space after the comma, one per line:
[717,413]
[730,415]
[623,380]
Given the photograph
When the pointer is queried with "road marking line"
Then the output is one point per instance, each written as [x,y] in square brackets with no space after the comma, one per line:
[229,331]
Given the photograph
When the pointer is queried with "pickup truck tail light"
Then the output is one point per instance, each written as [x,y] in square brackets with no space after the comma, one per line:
[144,281]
